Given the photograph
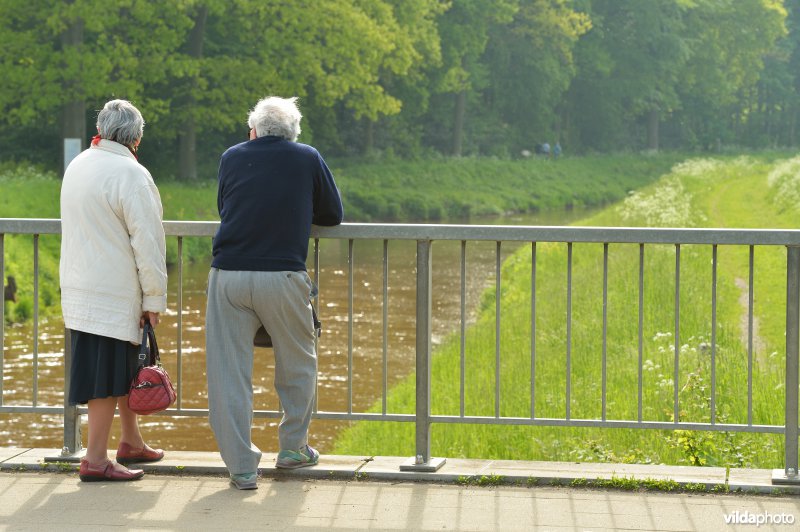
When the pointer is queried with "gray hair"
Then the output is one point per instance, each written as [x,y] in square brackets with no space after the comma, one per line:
[277,117]
[121,122]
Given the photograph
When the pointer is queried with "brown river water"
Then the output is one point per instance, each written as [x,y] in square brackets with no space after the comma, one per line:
[334,383]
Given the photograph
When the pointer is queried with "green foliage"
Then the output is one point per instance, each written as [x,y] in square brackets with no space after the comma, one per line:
[646,484]
[686,66]
[466,188]
[695,447]
[633,484]
[528,101]
[408,77]
[481,480]
[720,488]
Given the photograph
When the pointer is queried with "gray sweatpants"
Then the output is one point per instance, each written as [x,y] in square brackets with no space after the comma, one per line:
[238,303]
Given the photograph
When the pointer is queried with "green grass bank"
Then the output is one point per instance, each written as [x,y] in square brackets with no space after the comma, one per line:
[438,189]
[754,191]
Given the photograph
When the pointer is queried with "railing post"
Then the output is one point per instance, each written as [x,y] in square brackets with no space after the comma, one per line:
[423,461]
[2,315]
[788,475]
[72,419]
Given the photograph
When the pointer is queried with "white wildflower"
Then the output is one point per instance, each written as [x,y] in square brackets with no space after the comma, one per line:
[784,179]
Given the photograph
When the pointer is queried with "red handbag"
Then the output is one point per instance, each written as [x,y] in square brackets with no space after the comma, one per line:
[151,390]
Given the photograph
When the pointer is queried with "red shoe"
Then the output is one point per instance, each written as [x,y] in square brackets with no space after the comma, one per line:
[107,471]
[128,455]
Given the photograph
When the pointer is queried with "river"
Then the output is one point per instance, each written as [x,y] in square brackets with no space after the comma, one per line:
[193,433]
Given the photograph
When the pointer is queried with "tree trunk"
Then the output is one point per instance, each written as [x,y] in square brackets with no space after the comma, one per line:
[187,150]
[369,136]
[73,112]
[458,122]
[187,135]
[652,129]
[73,121]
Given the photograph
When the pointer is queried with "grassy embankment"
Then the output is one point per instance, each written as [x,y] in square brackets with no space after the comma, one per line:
[743,192]
[429,190]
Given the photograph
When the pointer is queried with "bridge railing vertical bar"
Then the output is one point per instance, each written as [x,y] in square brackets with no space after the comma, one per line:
[677,368]
[792,356]
[497,292]
[180,323]
[350,288]
[569,331]
[714,334]
[750,338]
[422,461]
[72,419]
[423,349]
[2,315]
[605,329]
[533,330]
[315,408]
[385,329]
[641,333]
[463,327]
[35,320]
[316,271]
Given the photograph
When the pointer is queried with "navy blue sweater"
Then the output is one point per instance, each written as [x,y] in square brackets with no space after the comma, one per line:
[270,192]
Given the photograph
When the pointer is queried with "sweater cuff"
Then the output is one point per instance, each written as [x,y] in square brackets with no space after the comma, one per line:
[154,303]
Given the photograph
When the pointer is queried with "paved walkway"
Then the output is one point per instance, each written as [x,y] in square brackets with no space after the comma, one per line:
[190,491]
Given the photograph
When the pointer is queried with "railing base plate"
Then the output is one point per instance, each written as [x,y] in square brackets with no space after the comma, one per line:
[431,466]
[69,457]
[779,476]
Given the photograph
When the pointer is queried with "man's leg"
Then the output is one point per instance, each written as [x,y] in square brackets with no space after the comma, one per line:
[230,327]
[283,304]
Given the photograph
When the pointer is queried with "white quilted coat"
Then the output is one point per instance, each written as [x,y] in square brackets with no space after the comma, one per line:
[113,252]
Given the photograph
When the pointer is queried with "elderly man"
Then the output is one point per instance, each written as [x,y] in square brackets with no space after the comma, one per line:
[271,189]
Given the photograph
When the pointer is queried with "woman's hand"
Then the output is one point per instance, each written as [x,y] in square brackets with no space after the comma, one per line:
[152,317]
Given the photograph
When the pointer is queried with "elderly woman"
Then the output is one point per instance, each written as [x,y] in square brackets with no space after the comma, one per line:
[271,189]
[113,279]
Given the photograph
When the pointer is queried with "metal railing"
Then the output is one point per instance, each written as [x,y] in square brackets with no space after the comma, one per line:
[424,236]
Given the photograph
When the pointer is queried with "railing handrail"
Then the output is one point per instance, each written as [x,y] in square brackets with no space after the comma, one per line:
[509,233]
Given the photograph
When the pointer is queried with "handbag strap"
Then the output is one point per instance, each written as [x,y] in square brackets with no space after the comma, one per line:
[148,337]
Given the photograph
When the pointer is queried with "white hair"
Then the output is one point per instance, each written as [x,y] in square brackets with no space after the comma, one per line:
[120,121]
[277,117]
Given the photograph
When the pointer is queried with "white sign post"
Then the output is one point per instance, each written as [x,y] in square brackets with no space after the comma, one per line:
[72,147]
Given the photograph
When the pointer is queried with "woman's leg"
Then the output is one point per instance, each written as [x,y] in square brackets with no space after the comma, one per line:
[130,425]
[101,415]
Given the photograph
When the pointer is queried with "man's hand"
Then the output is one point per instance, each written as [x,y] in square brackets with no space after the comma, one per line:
[152,317]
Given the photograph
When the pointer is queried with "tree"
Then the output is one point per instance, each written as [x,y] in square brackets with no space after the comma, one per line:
[64,57]
[641,48]
[237,53]
[400,74]
[464,30]
[730,40]
[531,64]
[185,102]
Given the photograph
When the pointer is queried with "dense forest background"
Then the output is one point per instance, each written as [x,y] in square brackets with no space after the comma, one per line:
[403,78]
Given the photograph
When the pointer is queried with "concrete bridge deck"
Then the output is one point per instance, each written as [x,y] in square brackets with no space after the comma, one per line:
[189,490]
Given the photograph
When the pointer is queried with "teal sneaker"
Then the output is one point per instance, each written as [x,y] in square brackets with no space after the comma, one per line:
[303,457]
[245,481]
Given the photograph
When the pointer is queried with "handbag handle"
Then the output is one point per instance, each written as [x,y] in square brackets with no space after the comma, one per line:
[148,336]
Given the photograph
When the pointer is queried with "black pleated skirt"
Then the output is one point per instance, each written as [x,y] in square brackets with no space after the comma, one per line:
[101,367]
